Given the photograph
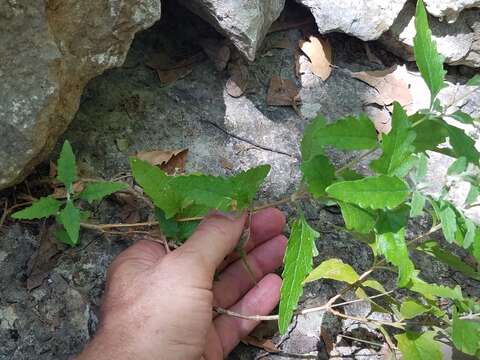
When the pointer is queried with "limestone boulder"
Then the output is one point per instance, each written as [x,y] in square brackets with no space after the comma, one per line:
[458,42]
[449,9]
[49,50]
[364,19]
[244,22]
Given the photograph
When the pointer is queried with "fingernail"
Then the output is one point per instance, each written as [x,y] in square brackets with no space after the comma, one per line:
[233,215]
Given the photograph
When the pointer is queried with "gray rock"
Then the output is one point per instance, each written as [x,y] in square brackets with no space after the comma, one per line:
[449,9]
[458,42]
[365,19]
[49,52]
[244,22]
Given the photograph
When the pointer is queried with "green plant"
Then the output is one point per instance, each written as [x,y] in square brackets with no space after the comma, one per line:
[65,212]
[375,209]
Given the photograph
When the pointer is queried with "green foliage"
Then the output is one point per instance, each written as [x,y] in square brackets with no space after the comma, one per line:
[69,217]
[297,265]
[66,166]
[474,81]
[349,133]
[416,346]
[429,61]
[318,173]
[65,211]
[42,208]
[334,269]
[433,249]
[374,192]
[466,335]
[396,145]
[462,144]
[412,308]
[429,134]
[98,190]
[357,219]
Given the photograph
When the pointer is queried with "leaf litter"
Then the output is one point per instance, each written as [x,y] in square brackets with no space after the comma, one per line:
[319,51]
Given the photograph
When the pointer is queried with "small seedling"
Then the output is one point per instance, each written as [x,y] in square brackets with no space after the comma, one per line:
[65,211]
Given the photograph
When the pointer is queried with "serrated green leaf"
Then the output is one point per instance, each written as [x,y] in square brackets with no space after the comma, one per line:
[458,166]
[348,133]
[472,194]
[462,117]
[448,218]
[429,61]
[475,250]
[466,335]
[69,217]
[318,173]
[390,240]
[62,236]
[432,291]
[430,134]
[156,184]
[334,269]
[66,166]
[462,144]
[416,346]
[417,204]
[297,265]
[42,208]
[357,219]
[246,184]
[474,81]
[169,227]
[308,147]
[396,145]
[432,248]
[412,308]
[98,190]
[375,192]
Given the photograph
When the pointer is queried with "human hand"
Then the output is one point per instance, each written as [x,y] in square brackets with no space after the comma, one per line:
[159,306]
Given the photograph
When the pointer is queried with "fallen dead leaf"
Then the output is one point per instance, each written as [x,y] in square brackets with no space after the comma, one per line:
[59,192]
[319,52]
[265,344]
[238,81]
[218,52]
[328,340]
[391,84]
[380,116]
[282,92]
[52,171]
[169,71]
[170,161]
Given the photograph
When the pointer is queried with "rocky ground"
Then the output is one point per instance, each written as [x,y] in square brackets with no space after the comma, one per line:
[50,294]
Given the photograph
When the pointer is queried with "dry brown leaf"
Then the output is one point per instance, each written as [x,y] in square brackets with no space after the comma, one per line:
[328,340]
[282,92]
[59,192]
[170,161]
[238,81]
[319,52]
[169,71]
[52,171]
[391,84]
[381,118]
[265,344]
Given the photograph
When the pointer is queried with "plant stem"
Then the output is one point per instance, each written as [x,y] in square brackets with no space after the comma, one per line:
[355,161]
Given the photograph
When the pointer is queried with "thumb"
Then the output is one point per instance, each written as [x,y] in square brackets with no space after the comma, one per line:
[215,237]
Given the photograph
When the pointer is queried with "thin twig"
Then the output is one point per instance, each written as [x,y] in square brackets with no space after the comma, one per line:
[248,141]
[360,340]
[355,161]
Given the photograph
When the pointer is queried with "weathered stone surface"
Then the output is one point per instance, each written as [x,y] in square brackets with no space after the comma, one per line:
[49,51]
[365,19]
[458,42]
[244,22]
[449,9]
